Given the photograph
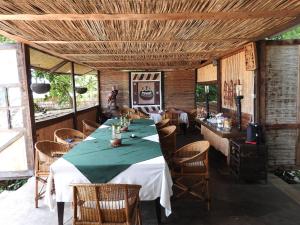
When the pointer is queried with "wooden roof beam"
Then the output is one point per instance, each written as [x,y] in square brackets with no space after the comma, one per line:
[146,54]
[157,16]
[143,60]
[207,40]
[57,66]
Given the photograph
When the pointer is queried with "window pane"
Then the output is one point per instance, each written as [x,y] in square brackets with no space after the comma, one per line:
[213,96]
[2,97]
[14,96]
[90,97]
[3,119]
[9,68]
[16,118]
[58,101]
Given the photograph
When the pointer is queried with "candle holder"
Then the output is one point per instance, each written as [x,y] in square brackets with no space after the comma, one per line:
[207,105]
[239,110]
[116,136]
[206,90]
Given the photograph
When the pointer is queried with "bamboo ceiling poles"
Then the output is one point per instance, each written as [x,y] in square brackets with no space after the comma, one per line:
[159,33]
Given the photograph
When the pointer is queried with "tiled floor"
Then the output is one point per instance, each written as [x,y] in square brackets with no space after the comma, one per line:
[274,203]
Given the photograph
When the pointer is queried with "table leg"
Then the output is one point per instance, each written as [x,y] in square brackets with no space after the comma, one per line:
[60,212]
[158,210]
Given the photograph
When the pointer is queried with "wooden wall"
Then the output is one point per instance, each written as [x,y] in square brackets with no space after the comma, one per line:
[45,129]
[179,89]
[86,115]
[111,78]
[207,73]
[47,132]
[280,101]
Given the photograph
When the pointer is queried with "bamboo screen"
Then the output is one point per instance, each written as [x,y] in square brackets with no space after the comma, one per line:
[207,73]
[233,68]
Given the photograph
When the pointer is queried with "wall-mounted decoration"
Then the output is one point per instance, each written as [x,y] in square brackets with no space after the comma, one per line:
[250,56]
[146,92]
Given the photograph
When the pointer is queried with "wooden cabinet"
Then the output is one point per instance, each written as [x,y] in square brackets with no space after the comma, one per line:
[248,162]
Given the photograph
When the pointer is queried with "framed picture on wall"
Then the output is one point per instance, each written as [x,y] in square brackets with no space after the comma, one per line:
[146,91]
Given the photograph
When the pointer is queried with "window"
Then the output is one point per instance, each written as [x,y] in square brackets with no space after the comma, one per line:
[213,96]
[86,87]
[13,155]
[58,101]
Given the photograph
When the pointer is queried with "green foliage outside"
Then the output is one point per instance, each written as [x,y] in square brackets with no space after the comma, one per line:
[200,93]
[90,82]
[61,88]
[11,185]
[290,34]
[5,40]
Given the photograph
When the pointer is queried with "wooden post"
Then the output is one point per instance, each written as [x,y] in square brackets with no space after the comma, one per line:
[99,111]
[23,57]
[219,83]
[297,160]
[195,95]
[74,97]
[261,84]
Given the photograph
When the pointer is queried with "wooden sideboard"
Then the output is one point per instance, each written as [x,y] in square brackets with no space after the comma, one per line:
[219,138]
[247,161]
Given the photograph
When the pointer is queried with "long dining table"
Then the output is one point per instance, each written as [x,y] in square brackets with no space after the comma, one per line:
[138,160]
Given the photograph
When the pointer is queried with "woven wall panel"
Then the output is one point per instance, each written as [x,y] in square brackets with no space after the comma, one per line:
[282,84]
[207,73]
[282,93]
[281,145]
[232,69]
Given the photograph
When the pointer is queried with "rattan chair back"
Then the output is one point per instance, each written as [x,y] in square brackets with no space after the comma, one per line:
[193,158]
[162,124]
[68,136]
[46,152]
[125,111]
[106,204]
[173,117]
[134,116]
[191,161]
[89,126]
[167,137]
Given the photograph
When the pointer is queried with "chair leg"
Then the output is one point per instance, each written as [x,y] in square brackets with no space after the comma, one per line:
[36,199]
[208,194]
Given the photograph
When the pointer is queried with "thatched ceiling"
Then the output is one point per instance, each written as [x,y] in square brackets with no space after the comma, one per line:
[144,34]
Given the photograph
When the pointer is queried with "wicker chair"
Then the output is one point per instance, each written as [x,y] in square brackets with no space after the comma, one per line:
[167,137]
[142,114]
[134,116]
[192,117]
[89,127]
[162,124]
[68,136]
[46,152]
[127,111]
[110,204]
[191,161]
[173,117]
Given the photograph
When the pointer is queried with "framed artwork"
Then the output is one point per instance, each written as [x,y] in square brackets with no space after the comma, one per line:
[146,91]
[250,56]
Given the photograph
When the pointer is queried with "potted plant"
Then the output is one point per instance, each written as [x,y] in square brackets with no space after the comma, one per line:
[40,86]
[81,90]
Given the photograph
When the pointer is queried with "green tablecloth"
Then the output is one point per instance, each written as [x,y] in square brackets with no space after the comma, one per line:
[100,162]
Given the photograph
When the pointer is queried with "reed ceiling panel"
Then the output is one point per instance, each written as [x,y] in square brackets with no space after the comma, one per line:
[140,6]
[121,33]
